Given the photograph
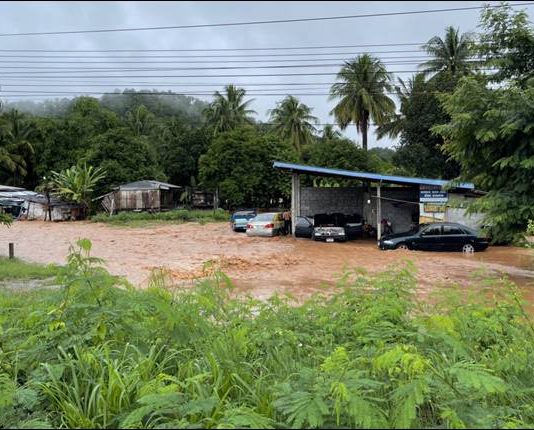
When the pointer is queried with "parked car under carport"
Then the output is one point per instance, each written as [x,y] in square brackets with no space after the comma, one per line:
[329,227]
[440,236]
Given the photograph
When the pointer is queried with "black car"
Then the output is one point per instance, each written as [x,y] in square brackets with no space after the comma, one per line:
[304,227]
[352,224]
[441,236]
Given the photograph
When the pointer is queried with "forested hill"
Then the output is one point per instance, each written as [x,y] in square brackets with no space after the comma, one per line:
[160,103]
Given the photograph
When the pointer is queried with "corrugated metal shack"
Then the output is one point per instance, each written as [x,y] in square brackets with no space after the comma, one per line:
[37,207]
[11,199]
[143,195]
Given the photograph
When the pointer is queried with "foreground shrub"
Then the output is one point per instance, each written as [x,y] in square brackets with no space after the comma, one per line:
[100,354]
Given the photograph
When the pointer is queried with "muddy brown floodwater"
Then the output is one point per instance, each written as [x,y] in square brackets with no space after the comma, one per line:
[259,266]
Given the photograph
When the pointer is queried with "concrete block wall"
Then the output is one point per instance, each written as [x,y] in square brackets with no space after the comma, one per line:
[354,200]
[329,200]
[400,214]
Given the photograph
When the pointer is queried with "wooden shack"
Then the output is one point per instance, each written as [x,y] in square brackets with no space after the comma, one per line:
[146,195]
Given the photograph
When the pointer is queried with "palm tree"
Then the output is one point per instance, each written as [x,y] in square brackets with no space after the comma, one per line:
[404,91]
[140,120]
[15,146]
[450,55]
[329,133]
[77,183]
[293,121]
[229,110]
[363,83]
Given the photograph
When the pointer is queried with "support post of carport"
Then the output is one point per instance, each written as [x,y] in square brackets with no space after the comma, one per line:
[378,212]
[295,200]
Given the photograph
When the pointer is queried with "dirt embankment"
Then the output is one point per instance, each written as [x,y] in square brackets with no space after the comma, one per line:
[257,265]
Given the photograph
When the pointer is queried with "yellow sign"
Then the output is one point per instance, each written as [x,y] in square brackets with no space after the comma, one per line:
[433,208]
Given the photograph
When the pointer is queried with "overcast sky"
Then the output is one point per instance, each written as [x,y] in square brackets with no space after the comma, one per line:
[63,16]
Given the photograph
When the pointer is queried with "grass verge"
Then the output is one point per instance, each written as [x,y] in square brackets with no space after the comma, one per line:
[18,269]
[139,219]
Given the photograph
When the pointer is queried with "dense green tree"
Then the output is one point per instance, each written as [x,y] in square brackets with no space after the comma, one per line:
[405,90]
[179,147]
[507,44]
[140,120]
[229,110]
[337,153]
[124,156]
[16,147]
[451,55]
[419,152]
[362,97]
[239,164]
[329,133]
[491,136]
[293,121]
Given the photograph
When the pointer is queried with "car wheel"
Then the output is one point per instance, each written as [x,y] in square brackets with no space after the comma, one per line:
[468,248]
[402,246]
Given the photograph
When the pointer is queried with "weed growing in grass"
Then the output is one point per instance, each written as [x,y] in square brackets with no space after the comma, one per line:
[100,354]
[174,216]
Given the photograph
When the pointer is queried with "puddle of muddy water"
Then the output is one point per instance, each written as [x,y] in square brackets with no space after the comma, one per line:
[257,265]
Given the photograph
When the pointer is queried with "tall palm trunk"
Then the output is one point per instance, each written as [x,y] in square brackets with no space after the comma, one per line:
[365,129]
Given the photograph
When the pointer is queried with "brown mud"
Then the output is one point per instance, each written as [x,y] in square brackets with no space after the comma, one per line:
[259,266]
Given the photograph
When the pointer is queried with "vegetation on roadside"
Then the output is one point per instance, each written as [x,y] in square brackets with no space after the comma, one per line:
[18,269]
[177,216]
[6,219]
[100,354]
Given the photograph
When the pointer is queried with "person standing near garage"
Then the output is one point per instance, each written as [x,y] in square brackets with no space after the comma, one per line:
[286,216]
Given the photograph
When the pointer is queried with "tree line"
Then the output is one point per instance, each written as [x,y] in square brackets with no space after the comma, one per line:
[465,115]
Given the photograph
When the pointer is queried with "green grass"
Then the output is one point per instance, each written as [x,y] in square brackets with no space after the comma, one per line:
[18,269]
[100,354]
[139,219]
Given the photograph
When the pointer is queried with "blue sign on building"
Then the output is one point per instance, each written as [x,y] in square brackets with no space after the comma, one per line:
[433,196]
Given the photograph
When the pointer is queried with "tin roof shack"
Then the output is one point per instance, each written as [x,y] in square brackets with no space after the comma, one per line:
[146,195]
[37,207]
[12,199]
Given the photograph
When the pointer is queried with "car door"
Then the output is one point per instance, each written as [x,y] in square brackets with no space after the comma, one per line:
[430,239]
[454,238]
[304,227]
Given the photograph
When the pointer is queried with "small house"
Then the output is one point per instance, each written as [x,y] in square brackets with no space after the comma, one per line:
[146,195]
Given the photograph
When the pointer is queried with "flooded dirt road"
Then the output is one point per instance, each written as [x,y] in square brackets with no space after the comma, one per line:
[257,265]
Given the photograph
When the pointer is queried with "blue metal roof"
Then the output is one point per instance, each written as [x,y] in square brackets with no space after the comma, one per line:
[373,177]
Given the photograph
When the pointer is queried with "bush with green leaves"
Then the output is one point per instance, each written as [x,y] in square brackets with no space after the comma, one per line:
[5,219]
[174,216]
[101,354]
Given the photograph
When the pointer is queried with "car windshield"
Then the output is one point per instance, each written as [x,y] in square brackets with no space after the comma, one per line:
[243,216]
[264,217]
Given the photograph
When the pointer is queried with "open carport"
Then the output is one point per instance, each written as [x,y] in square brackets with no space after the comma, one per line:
[400,199]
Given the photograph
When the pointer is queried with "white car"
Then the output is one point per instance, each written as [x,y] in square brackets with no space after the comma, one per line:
[266,224]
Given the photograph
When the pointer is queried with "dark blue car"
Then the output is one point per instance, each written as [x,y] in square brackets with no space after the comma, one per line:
[239,219]
[440,236]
